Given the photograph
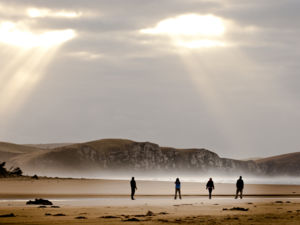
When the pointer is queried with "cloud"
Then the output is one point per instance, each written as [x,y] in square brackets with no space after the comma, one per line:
[12,34]
[85,55]
[113,80]
[190,30]
[43,12]
[189,24]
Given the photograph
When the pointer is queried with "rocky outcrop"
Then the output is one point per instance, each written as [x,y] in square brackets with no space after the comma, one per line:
[118,155]
[122,155]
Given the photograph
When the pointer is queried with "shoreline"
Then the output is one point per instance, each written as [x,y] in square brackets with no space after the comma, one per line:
[80,196]
[11,187]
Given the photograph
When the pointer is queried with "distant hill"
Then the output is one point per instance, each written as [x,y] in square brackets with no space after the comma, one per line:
[120,156]
[49,146]
[10,150]
[281,164]
[253,158]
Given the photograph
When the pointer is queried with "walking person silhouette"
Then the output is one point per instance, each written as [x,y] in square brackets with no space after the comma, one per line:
[177,188]
[210,186]
[239,187]
[133,188]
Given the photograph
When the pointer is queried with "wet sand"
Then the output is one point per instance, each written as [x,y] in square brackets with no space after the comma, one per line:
[105,202]
[52,187]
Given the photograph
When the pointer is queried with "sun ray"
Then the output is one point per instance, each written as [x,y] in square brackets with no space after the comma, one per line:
[31,53]
[199,74]
[22,79]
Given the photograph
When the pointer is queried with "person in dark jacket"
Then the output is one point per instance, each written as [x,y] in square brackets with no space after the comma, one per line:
[210,186]
[177,188]
[133,188]
[239,188]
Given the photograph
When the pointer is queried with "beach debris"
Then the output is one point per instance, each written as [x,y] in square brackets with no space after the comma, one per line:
[48,214]
[80,217]
[42,207]
[239,209]
[109,217]
[287,202]
[59,214]
[163,220]
[236,209]
[150,213]
[126,216]
[138,215]
[279,202]
[132,219]
[35,177]
[163,213]
[55,206]
[250,203]
[8,215]
[39,201]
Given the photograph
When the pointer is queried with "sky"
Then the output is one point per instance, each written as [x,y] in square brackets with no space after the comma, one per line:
[221,75]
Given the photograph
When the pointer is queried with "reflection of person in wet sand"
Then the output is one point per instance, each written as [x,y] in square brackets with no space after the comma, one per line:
[133,187]
[210,186]
[239,188]
[177,188]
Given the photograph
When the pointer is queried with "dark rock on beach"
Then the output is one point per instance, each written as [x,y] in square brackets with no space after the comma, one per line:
[8,215]
[39,201]
[80,217]
[132,219]
[59,214]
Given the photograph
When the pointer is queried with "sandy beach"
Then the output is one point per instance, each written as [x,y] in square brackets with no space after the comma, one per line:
[91,201]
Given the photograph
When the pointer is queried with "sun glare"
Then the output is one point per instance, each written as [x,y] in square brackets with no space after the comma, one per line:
[191,24]
[191,30]
[201,44]
[12,35]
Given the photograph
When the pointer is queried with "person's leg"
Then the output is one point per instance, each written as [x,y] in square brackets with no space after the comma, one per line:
[237,193]
[175,193]
[132,193]
[209,191]
[241,192]
[179,193]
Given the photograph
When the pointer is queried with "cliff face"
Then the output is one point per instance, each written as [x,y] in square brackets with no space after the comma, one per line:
[124,155]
